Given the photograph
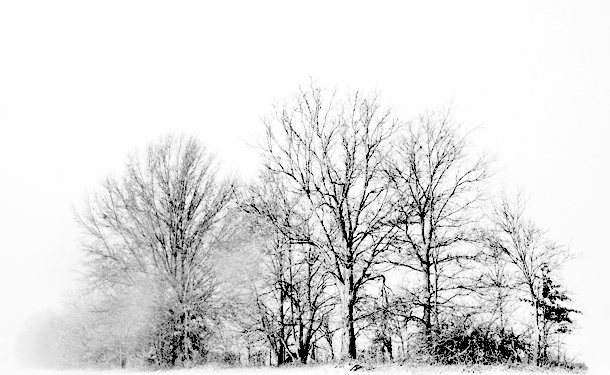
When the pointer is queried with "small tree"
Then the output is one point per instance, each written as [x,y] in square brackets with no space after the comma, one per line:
[496,293]
[383,322]
[555,315]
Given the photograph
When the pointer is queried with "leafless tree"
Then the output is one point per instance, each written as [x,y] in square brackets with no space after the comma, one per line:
[330,152]
[436,187]
[496,293]
[160,221]
[293,296]
[532,255]
[382,321]
[90,330]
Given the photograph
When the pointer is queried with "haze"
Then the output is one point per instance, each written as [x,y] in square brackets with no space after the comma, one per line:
[83,84]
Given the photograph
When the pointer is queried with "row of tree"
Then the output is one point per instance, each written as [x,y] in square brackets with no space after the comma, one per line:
[361,232]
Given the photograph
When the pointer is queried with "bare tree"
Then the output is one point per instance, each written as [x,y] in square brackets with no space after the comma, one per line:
[293,297]
[160,220]
[534,257]
[436,188]
[90,330]
[497,295]
[383,322]
[330,153]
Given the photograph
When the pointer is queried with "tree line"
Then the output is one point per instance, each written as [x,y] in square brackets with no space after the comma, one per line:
[364,236]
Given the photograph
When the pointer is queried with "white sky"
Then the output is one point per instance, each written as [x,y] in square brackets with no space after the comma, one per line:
[82,84]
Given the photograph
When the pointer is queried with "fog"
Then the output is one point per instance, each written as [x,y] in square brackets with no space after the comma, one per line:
[82,84]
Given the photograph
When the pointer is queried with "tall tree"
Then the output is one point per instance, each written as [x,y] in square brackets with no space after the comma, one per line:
[436,188]
[330,152]
[159,220]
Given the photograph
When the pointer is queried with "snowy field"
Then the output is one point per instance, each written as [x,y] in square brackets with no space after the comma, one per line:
[394,370]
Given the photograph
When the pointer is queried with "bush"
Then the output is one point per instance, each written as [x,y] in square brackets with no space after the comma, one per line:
[478,345]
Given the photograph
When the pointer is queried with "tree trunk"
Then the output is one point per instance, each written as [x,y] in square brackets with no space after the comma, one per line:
[387,345]
[537,336]
[281,354]
[303,354]
[536,307]
[348,342]
[427,316]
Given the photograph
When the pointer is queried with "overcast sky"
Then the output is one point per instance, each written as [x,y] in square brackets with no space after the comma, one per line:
[84,83]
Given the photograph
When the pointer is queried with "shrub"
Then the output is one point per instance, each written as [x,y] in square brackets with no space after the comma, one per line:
[478,345]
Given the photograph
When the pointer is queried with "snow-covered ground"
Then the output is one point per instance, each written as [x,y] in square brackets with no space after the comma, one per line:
[328,369]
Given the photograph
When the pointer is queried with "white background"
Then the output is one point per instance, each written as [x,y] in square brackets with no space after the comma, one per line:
[83,83]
